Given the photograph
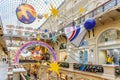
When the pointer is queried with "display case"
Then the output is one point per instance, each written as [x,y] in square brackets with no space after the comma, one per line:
[88,68]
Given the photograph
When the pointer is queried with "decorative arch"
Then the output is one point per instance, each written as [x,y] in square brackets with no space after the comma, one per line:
[16,60]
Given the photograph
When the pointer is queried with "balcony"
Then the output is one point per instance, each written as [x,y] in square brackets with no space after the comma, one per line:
[109,10]
[76,71]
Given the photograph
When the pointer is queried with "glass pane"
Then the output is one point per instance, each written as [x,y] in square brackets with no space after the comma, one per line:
[109,5]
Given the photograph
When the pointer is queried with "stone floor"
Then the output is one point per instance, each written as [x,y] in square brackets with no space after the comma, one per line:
[3,71]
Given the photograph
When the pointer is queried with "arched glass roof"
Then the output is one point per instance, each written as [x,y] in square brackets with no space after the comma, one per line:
[8,11]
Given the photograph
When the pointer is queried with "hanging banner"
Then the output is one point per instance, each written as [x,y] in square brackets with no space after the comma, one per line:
[75,34]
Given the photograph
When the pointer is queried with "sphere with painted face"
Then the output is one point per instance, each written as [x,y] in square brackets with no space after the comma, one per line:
[26,13]
[90,23]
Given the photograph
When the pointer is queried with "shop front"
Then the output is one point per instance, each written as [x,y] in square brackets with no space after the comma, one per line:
[109,47]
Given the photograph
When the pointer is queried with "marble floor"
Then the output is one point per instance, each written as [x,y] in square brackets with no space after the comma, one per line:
[3,71]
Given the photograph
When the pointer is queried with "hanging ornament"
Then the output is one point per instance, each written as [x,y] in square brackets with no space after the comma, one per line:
[26,13]
[45,16]
[75,34]
[54,38]
[90,24]
[45,30]
[40,16]
[54,11]
[81,10]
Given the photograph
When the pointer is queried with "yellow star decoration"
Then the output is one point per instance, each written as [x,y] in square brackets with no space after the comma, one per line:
[54,67]
[81,9]
[54,11]
[45,16]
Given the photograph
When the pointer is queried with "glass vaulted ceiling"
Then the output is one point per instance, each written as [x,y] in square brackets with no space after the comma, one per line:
[8,11]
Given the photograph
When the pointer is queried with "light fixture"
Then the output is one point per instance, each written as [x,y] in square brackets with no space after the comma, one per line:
[69,49]
[70,46]
[56,30]
[68,53]
[60,32]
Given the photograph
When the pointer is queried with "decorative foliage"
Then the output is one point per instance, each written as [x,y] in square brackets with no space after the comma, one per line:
[54,11]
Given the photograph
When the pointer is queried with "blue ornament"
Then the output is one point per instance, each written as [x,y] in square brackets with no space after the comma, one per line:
[45,30]
[38,28]
[90,23]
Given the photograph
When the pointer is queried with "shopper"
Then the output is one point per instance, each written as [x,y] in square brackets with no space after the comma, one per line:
[108,60]
[112,59]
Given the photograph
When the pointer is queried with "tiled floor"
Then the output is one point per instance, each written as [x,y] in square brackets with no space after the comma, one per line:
[3,71]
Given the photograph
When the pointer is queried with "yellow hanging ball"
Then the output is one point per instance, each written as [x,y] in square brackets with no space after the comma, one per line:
[38,64]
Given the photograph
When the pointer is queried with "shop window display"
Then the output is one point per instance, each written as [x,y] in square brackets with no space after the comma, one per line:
[81,56]
[88,68]
[63,46]
[63,56]
[109,56]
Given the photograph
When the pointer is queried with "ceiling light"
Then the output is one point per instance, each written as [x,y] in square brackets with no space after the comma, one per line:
[69,49]
[68,53]
[70,46]
[56,30]
[60,32]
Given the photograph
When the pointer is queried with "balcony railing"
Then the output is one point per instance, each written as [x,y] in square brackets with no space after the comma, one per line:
[100,9]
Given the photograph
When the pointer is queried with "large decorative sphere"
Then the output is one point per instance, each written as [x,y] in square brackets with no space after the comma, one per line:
[26,13]
[90,23]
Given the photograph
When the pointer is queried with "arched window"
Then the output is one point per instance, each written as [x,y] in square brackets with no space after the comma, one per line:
[109,35]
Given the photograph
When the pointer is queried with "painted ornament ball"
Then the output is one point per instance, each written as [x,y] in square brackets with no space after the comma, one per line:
[26,13]
[90,23]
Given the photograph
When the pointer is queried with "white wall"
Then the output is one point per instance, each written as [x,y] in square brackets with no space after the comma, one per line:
[102,56]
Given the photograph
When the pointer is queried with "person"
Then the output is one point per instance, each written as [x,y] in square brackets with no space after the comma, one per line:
[108,60]
[112,59]
[65,58]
